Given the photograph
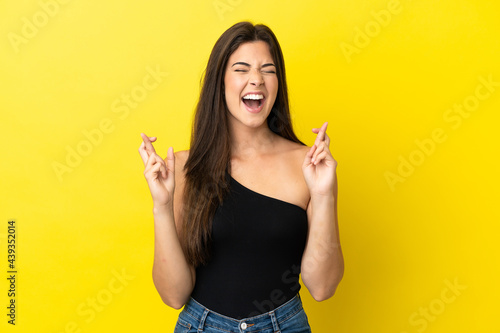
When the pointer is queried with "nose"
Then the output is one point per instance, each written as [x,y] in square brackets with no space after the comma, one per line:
[256,78]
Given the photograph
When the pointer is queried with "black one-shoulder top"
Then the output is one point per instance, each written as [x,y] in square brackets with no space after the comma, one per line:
[257,247]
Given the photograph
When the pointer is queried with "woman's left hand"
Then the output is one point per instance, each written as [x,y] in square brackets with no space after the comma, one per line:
[319,167]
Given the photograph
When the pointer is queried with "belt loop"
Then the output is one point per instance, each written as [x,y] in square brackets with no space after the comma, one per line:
[276,327]
[202,320]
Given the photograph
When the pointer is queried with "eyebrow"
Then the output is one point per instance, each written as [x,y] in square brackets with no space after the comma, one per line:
[245,64]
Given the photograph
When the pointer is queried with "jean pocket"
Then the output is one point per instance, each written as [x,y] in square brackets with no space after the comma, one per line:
[297,323]
[182,326]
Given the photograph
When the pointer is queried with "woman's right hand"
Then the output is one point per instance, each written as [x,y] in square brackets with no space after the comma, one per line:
[159,175]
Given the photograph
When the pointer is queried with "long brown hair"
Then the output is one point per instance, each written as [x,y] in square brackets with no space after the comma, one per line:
[209,158]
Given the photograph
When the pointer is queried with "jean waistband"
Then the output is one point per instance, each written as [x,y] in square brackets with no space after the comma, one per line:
[270,319]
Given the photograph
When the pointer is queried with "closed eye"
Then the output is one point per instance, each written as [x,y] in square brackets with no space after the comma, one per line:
[244,70]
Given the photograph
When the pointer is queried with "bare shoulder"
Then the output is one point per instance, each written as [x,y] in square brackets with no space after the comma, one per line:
[303,149]
[290,169]
[182,153]
[296,150]
[181,157]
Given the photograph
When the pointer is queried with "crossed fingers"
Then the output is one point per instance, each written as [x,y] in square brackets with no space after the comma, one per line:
[149,155]
[322,144]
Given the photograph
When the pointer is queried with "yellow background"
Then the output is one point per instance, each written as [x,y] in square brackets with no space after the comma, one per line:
[403,244]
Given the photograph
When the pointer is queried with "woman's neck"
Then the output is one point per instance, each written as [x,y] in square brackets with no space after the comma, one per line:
[248,142]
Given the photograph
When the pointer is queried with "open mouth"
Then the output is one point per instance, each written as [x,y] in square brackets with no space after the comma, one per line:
[253,101]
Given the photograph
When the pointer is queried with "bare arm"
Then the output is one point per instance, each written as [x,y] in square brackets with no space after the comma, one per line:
[322,266]
[322,262]
[173,276]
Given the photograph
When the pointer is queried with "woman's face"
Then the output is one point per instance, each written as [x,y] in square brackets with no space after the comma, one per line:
[251,83]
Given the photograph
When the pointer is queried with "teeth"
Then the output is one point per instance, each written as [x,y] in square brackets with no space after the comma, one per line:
[253,96]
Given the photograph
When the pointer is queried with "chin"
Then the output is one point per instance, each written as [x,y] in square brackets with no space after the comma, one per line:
[251,120]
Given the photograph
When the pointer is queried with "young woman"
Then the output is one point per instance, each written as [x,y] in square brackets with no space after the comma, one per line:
[253,206]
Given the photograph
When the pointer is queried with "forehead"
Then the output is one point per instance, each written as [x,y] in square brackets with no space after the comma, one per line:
[252,52]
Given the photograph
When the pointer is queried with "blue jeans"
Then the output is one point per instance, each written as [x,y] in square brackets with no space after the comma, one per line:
[287,318]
